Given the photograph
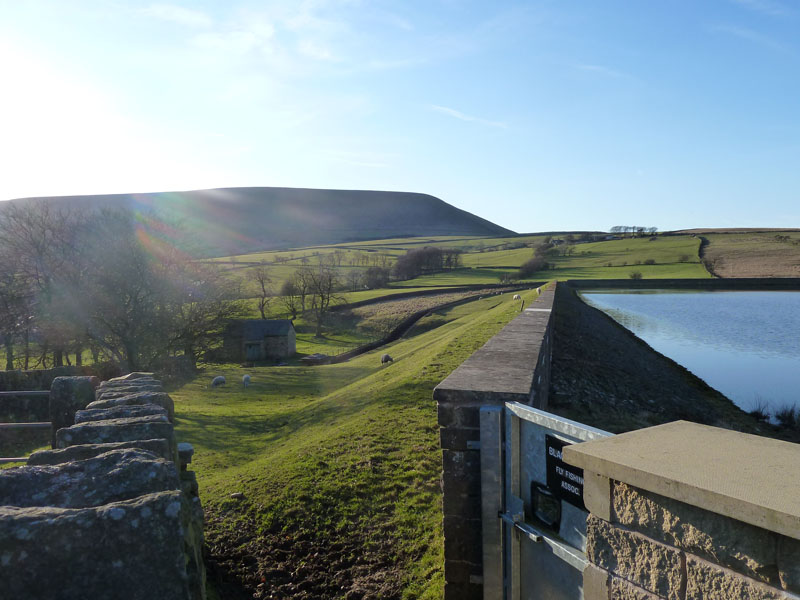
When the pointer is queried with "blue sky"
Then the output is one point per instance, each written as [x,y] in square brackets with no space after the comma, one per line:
[535,115]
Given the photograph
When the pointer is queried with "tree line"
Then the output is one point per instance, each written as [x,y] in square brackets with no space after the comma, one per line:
[108,281]
[633,230]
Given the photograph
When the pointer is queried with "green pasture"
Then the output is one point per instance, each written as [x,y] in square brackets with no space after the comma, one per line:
[348,453]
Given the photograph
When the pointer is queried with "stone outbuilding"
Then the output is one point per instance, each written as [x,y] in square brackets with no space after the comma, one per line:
[259,339]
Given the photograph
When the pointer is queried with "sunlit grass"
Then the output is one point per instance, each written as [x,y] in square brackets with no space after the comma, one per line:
[348,449]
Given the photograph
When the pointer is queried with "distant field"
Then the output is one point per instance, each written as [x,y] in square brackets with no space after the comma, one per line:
[754,254]
[485,260]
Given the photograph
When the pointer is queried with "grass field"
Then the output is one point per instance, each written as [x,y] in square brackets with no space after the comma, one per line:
[754,254]
[486,259]
[339,465]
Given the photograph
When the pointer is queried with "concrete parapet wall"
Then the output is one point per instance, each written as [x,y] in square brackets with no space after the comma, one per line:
[113,512]
[513,365]
[690,512]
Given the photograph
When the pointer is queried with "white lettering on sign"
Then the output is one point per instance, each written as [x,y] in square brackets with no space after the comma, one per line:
[571,488]
[553,452]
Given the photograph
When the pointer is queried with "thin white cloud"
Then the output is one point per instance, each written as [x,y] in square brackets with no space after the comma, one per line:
[766,7]
[600,69]
[315,50]
[750,35]
[179,15]
[457,114]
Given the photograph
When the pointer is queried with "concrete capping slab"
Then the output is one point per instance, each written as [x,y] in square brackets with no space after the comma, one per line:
[597,495]
[745,477]
[505,365]
[595,583]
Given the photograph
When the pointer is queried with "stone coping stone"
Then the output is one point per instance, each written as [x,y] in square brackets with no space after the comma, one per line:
[745,477]
[130,550]
[117,430]
[507,362]
[185,452]
[159,447]
[118,392]
[125,411]
[110,477]
[131,376]
[142,397]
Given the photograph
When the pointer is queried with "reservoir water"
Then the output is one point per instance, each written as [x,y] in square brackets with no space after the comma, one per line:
[744,344]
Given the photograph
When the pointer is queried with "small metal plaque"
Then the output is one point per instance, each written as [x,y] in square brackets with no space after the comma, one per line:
[563,480]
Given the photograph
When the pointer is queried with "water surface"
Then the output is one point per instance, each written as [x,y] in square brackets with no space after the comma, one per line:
[744,344]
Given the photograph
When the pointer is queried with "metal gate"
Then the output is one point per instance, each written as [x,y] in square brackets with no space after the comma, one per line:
[533,517]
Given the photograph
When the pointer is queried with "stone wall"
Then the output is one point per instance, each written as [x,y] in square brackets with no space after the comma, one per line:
[706,537]
[111,511]
[513,365]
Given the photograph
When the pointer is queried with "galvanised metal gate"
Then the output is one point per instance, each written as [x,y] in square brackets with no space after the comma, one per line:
[532,512]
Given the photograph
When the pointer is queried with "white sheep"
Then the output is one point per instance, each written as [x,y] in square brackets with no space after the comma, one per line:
[517,297]
[386,359]
[218,381]
[245,380]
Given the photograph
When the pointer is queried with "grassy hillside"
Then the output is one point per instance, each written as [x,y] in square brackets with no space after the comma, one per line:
[485,259]
[754,253]
[339,466]
[234,220]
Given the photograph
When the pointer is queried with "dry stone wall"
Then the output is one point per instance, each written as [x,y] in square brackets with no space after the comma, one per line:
[112,510]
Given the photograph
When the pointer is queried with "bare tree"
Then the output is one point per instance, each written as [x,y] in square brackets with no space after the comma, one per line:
[354,278]
[263,288]
[322,287]
[290,298]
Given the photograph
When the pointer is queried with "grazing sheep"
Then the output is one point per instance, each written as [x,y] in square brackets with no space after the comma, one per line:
[245,380]
[517,297]
[218,381]
[386,359]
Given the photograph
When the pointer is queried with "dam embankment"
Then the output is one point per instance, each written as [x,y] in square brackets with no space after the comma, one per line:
[607,377]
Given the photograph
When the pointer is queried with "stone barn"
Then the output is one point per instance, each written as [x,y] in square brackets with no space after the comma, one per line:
[259,339]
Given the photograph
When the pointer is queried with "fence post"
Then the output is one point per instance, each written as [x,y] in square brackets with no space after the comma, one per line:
[67,396]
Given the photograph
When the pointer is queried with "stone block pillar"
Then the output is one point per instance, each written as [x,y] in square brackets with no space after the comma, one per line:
[689,512]
[67,396]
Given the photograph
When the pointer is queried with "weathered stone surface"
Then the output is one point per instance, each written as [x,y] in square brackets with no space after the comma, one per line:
[789,563]
[132,550]
[625,590]
[68,395]
[159,447]
[119,391]
[146,397]
[192,520]
[130,377]
[185,453]
[117,430]
[646,563]
[462,539]
[595,583]
[189,484]
[126,411]
[728,542]
[111,477]
[706,581]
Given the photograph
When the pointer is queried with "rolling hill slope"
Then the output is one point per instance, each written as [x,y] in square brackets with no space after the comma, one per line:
[237,220]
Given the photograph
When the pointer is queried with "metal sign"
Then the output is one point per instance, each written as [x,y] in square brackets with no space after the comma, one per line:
[564,481]
[532,512]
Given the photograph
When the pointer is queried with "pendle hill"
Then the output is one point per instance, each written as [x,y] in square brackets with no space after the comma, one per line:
[230,221]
